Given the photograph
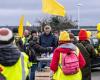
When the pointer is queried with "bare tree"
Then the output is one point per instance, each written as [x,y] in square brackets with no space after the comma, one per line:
[58,23]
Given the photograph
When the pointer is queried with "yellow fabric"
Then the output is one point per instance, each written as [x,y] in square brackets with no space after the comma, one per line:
[23,40]
[1,67]
[98,26]
[96,51]
[31,63]
[21,28]
[15,72]
[60,76]
[26,61]
[89,34]
[28,24]
[64,36]
[98,35]
[53,7]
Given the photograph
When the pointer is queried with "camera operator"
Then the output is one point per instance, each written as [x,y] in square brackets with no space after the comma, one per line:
[35,51]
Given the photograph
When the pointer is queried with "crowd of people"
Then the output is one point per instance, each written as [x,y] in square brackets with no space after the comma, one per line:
[70,60]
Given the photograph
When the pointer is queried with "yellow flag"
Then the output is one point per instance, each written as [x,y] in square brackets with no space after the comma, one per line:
[21,28]
[53,7]
[28,24]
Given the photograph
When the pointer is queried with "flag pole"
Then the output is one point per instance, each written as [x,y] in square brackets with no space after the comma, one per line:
[78,14]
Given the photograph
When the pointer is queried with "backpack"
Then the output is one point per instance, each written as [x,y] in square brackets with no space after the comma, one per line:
[84,52]
[70,63]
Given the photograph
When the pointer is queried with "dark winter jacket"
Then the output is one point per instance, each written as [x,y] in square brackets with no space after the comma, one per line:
[89,48]
[36,49]
[88,52]
[9,55]
[48,40]
[39,49]
[20,45]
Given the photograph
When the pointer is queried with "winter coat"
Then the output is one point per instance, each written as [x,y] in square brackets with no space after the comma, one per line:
[20,45]
[36,49]
[88,52]
[48,40]
[9,55]
[54,66]
[13,63]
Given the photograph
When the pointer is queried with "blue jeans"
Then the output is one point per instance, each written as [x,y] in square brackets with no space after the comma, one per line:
[32,72]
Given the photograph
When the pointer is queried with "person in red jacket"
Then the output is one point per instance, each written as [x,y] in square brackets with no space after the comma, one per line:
[64,45]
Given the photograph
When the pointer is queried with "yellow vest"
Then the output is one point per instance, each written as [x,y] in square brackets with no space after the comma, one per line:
[23,40]
[59,75]
[19,71]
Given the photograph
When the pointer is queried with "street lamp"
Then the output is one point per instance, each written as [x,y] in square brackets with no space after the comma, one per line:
[78,7]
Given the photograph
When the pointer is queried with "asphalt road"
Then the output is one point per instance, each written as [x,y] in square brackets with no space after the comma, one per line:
[96,75]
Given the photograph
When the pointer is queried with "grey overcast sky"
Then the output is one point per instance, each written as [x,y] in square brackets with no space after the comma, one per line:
[11,10]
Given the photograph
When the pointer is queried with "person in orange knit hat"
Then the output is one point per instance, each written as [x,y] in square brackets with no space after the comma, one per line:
[56,66]
[83,35]
[88,53]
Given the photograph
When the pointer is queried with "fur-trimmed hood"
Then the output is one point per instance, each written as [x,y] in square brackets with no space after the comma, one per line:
[68,45]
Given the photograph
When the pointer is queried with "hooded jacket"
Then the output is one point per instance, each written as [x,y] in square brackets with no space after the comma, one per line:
[35,49]
[58,74]
[13,63]
[9,55]
[63,49]
[88,55]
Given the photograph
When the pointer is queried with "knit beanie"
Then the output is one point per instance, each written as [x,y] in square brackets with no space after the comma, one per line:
[83,35]
[64,36]
[6,36]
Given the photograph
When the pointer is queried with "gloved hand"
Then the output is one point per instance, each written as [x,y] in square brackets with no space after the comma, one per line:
[51,48]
